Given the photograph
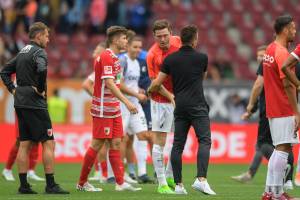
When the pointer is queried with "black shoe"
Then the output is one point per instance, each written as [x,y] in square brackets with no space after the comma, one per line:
[145,179]
[26,190]
[111,180]
[132,176]
[55,189]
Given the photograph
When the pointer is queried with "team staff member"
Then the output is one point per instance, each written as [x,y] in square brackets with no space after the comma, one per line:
[187,69]
[30,66]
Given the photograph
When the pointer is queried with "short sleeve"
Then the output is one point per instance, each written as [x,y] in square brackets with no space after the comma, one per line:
[107,63]
[150,65]
[91,77]
[280,56]
[296,52]
[165,68]
[205,63]
[123,63]
[260,70]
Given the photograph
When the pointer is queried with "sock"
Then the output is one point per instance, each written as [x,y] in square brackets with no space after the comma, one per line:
[270,174]
[50,180]
[110,172]
[12,157]
[169,170]
[33,157]
[141,153]
[158,163]
[279,166]
[117,165]
[23,179]
[103,165]
[131,168]
[87,165]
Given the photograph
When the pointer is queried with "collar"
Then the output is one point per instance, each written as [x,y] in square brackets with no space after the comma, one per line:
[108,49]
[34,43]
[187,48]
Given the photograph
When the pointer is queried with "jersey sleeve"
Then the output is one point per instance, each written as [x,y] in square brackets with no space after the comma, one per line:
[296,52]
[106,63]
[260,70]
[91,77]
[280,56]
[165,68]
[150,65]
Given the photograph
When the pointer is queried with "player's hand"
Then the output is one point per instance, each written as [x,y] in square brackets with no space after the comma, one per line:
[131,107]
[172,99]
[297,122]
[43,94]
[13,92]
[246,115]
[249,108]
[298,88]
[142,98]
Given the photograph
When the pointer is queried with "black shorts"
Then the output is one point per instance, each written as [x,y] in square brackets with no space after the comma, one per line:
[264,132]
[34,125]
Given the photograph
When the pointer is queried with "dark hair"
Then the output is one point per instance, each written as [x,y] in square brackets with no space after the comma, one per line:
[281,22]
[188,34]
[161,24]
[113,31]
[262,47]
[36,28]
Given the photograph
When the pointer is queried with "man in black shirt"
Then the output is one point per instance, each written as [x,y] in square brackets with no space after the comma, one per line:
[187,68]
[30,66]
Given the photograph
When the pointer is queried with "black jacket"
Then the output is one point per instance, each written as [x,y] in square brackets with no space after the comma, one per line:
[30,66]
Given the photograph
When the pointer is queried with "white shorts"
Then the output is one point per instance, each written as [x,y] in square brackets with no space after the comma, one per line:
[162,115]
[133,123]
[283,130]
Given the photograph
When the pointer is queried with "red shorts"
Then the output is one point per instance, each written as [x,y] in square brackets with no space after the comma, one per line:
[107,128]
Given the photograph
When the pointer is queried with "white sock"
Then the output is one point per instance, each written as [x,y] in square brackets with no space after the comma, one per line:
[169,170]
[158,163]
[279,166]
[141,153]
[270,174]
[110,172]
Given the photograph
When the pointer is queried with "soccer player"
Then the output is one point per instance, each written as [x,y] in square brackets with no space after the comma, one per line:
[281,107]
[264,145]
[187,68]
[107,120]
[30,66]
[287,68]
[162,102]
[134,123]
[88,86]
[33,156]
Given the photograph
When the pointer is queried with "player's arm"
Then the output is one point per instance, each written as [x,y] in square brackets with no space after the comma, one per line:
[109,82]
[141,97]
[255,92]
[40,58]
[9,69]
[290,92]
[88,86]
[290,62]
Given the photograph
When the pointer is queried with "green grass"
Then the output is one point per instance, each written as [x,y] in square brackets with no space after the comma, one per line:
[218,177]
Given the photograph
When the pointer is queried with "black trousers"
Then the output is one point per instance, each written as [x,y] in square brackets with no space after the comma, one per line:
[185,117]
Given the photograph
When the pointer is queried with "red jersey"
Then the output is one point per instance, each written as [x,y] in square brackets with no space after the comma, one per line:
[155,58]
[104,103]
[296,52]
[277,104]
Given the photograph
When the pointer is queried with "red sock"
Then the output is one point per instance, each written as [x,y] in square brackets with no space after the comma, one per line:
[87,165]
[12,157]
[104,168]
[96,165]
[33,156]
[117,165]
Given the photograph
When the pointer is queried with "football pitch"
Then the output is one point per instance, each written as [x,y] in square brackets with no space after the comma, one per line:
[218,177]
